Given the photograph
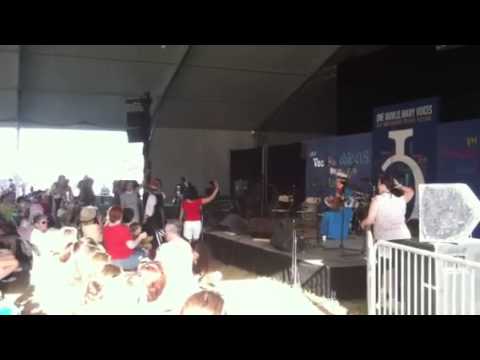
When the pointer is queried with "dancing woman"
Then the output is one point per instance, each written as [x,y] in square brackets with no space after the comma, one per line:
[388,209]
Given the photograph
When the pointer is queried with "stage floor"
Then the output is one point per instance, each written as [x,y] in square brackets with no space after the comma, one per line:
[318,254]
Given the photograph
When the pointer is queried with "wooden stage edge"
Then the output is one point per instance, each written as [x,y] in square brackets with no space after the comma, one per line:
[326,271]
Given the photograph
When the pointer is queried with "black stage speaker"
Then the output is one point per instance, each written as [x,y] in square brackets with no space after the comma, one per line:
[137,126]
[136,135]
[261,228]
[413,226]
[136,119]
[235,224]
[282,234]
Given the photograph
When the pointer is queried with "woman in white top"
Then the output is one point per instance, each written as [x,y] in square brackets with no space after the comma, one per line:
[41,237]
[388,210]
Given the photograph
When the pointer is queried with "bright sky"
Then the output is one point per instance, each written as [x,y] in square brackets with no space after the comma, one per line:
[45,154]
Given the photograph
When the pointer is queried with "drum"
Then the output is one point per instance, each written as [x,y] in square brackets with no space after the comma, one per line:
[360,214]
[362,211]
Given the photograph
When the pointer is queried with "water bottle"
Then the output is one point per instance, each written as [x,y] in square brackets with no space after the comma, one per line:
[4,311]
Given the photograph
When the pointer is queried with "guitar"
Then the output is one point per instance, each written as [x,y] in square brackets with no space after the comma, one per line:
[334,202]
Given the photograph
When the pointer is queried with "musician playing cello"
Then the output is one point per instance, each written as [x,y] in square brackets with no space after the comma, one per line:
[335,223]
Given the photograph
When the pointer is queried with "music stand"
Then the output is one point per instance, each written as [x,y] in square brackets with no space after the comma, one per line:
[290,214]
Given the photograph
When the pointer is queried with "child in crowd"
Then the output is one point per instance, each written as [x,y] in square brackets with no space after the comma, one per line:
[90,224]
[138,233]
[204,303]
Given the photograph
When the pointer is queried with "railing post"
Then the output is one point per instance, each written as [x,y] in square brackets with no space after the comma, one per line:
[371,274]
[454,288]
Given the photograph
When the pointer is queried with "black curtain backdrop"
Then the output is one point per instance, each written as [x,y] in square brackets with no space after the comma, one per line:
[406,73]
[286,169]
[245,165]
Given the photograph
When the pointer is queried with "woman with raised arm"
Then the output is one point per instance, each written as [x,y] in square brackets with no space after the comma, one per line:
[387,212]
[191,212]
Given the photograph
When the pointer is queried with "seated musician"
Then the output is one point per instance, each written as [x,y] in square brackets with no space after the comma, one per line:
[335,224]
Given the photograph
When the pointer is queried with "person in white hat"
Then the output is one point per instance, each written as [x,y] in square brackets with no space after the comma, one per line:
[89,224]
[335,224]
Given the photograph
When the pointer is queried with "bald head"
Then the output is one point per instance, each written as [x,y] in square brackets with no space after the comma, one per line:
[172,230]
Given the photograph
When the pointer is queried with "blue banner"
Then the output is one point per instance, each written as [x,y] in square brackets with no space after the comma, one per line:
[346,154]
[404,143]
[316,174]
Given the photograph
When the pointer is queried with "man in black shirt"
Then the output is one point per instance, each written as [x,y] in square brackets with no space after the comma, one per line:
[154,217]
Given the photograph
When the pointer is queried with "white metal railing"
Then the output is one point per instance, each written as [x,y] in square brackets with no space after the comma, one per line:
[403,280]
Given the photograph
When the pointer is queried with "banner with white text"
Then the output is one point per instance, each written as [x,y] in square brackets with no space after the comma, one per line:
[405,143]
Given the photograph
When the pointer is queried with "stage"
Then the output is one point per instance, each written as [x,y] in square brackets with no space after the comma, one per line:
[326,271]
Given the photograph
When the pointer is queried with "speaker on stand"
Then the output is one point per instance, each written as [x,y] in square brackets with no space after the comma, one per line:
[285,238]
[137,127]
[282,233]
[138,119]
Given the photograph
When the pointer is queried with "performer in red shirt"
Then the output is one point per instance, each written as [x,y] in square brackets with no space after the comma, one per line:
[191,212]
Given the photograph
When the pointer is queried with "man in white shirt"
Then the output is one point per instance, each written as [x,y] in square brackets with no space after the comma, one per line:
[176,257]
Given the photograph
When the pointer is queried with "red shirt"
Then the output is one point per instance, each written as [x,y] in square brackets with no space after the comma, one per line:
[115,241]
[192,210]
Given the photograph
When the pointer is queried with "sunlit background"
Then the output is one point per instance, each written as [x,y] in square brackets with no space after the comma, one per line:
[41,155]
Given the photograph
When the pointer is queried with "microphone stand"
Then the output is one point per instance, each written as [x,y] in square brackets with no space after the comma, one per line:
[342,235]
[342,227]
[294,270]
[342,246]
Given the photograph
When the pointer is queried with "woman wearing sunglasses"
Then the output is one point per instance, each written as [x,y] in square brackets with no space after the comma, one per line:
[39,235]
[44,244]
